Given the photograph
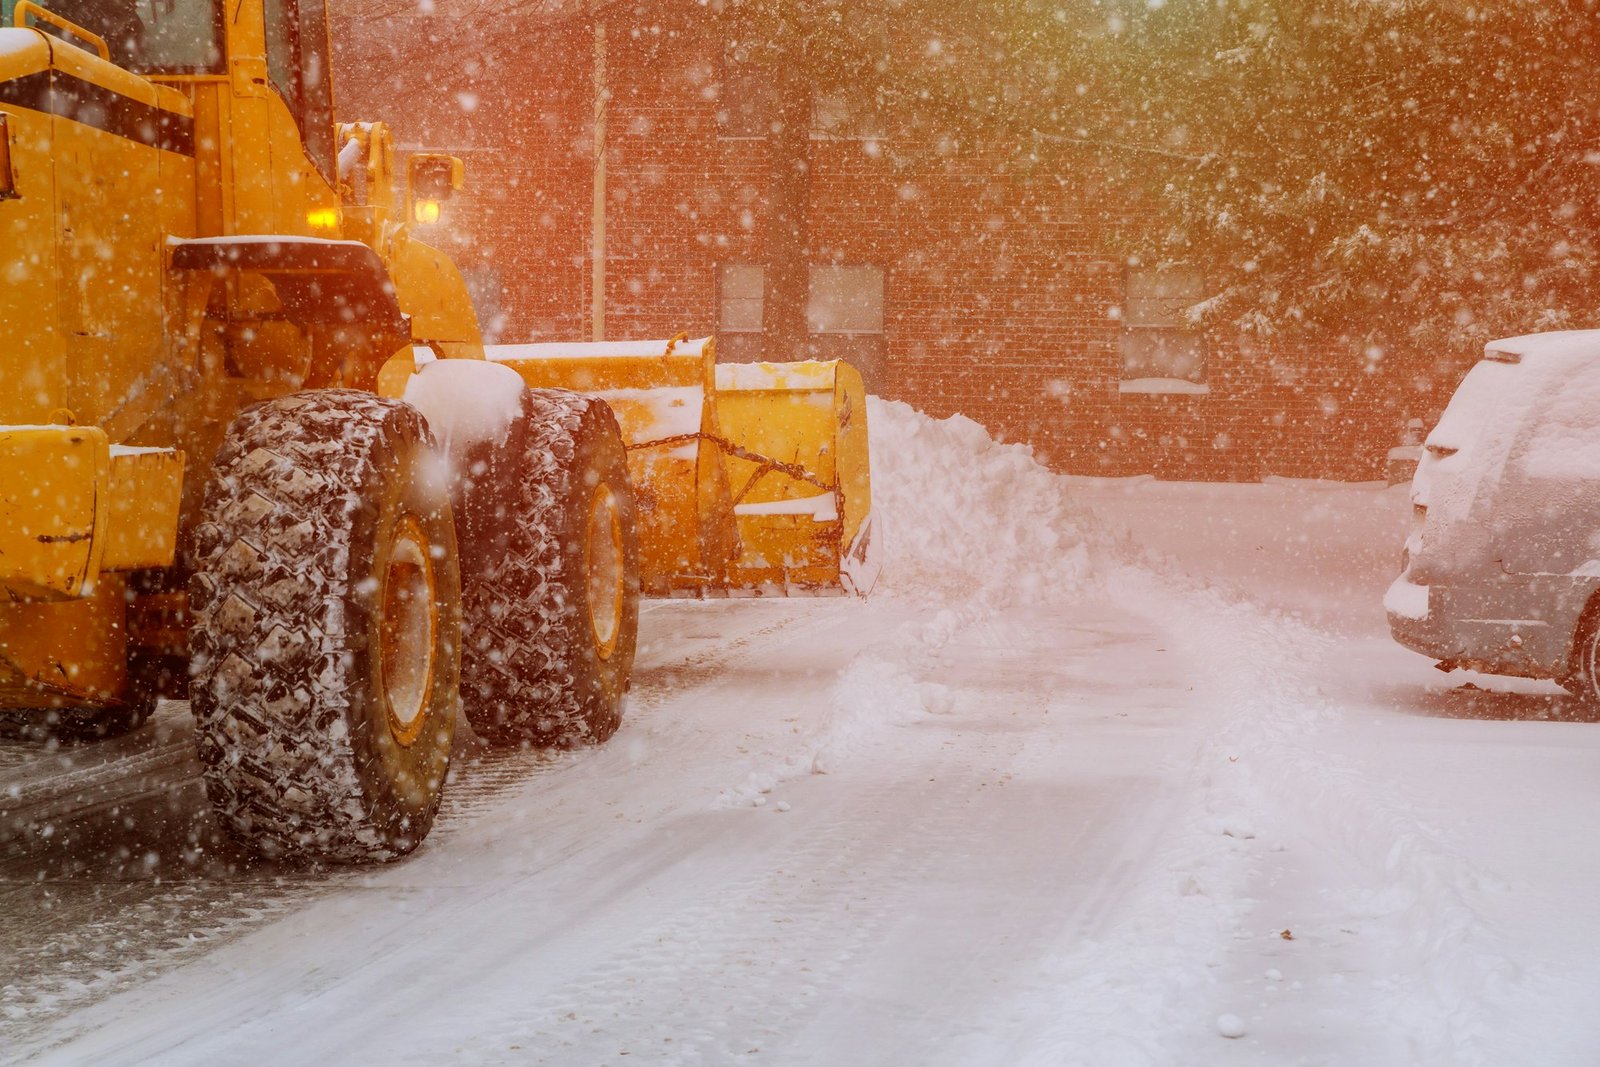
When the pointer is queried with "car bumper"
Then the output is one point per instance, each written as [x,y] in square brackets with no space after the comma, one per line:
[1461,633]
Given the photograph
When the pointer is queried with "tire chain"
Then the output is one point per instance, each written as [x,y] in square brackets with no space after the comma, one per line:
[270,676]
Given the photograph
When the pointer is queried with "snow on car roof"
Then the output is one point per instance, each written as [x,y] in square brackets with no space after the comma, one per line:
[1555,344]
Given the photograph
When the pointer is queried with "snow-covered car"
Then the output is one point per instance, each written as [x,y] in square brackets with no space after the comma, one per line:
[1502,565]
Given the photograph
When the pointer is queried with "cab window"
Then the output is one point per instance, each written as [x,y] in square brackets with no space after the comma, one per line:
[180,37]
[146,36]
[297,65]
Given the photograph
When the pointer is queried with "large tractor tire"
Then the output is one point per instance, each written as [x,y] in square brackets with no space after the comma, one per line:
[550,576]
[1583,670]
[324,647]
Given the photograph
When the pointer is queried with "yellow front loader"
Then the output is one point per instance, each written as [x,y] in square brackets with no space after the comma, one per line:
[251,449]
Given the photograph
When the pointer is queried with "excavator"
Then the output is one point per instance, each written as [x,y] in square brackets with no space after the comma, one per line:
[253,451]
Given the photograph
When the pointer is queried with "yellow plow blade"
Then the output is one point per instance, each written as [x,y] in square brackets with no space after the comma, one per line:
[749,478]
[796,459]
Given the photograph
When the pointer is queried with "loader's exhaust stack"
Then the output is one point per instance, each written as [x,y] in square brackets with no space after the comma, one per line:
[752,479]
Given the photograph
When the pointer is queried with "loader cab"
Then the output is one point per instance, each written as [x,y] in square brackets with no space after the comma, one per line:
[279,117]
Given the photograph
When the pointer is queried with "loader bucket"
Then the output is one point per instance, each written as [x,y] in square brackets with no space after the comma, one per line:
[662,393]
[796,460]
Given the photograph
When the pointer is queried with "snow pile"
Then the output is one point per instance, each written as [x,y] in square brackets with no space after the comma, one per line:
[961,514]
[466,402]
[970,526]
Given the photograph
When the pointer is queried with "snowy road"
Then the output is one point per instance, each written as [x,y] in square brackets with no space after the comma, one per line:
[1045,799]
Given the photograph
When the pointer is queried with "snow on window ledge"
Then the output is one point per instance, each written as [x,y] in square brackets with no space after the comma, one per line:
[1163,385]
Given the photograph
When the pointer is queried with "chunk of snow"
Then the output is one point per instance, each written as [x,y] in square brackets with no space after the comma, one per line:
[805,374]
[655,414]
[1406,600]
[466,401]
[1230,1025]
[959,513]
[139,450]
[15,42]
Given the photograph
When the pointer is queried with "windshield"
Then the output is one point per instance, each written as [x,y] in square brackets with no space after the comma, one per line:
[147,36]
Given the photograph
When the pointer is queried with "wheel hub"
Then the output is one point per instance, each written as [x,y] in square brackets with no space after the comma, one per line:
[407,631]
[604,567]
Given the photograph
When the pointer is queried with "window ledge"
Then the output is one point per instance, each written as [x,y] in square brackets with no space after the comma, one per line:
[1163,385]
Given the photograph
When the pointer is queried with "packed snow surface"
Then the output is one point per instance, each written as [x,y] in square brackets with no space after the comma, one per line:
[1104,772]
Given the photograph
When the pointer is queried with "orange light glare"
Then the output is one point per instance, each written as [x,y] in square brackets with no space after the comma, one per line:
[426,212]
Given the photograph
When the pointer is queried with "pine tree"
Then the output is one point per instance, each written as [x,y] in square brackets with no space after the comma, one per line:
[1409,177]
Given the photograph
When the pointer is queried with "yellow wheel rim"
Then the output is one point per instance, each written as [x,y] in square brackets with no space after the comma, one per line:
[603,563]
[407,629]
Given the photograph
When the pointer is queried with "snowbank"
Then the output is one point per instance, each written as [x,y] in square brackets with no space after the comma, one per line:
[969,528]
[962,514]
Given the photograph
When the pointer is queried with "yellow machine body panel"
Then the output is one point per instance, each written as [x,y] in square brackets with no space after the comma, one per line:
[64,653]
[430,289]
[110,239]
[52,520]
[146,491]
[30,359]
[72,506]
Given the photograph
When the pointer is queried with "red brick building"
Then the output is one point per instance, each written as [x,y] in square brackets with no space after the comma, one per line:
[960,280]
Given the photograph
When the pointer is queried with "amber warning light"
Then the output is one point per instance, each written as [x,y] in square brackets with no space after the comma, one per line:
[431,179]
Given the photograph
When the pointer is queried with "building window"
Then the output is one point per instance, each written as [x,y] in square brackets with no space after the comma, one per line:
[844,315]
[748,105]
[845,300]
[1161,352]
[847,114]
[739,288]
[748,100]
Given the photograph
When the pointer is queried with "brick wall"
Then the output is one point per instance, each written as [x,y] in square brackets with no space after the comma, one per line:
[1001,285]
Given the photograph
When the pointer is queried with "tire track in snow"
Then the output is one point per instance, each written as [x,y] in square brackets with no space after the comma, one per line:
[1263,769]
[729,972]
[113,870]
[748,960]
